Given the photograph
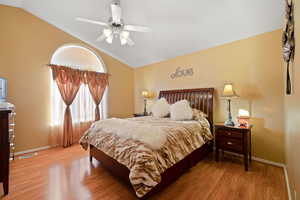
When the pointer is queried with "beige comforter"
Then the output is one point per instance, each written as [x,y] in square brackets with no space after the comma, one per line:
[145,163]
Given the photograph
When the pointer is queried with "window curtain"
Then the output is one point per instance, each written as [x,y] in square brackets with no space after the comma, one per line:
[82,109]
[68,82]
[288,42]
[97,83]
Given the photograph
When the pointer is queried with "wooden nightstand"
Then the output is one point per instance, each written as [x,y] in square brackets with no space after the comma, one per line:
[234,139]
[139,115]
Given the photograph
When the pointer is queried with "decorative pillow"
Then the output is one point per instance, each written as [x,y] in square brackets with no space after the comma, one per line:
[198,114]
[160,108]
[181,110]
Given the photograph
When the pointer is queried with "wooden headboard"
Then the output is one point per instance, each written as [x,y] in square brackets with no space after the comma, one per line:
[201,99]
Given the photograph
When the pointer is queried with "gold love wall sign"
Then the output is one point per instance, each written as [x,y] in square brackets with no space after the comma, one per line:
[182,73]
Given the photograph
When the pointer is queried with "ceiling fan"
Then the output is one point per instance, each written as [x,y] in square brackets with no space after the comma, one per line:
[115,27]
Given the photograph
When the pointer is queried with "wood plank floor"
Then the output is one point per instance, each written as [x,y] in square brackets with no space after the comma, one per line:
[66,174]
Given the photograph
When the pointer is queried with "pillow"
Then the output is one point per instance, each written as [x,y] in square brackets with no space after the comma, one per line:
[181,110]
[198,114]
[160,108]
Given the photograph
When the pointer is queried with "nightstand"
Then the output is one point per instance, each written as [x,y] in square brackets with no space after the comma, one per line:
[234,139]
[140,115]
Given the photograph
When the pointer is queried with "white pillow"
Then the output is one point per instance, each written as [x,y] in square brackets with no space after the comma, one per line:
[160,108]
[181,110]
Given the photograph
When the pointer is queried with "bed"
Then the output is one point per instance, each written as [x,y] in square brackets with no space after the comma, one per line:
[201,99]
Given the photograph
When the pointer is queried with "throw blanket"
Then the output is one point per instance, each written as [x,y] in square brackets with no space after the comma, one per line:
[146,164]
[154,136]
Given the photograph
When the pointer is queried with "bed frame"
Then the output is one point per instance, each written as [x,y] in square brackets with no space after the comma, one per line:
[201,99]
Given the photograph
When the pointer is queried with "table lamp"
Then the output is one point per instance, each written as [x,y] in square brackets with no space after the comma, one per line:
[228,94]
[146,95]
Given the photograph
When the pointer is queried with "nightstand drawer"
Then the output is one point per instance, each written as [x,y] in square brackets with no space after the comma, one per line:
[230,144]
[229,133]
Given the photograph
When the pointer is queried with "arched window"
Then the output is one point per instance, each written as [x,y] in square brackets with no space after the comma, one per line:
[83,107]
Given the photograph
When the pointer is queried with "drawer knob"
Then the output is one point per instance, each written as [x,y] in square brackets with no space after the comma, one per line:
[230,143]
[228,133]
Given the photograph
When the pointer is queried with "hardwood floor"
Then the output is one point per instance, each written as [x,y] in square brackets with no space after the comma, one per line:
[66,174]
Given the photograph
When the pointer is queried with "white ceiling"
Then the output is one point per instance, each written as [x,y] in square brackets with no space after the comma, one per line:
[15,3]
[178,27]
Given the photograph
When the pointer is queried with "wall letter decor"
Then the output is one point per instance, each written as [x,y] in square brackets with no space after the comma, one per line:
[182,72]
[288,42]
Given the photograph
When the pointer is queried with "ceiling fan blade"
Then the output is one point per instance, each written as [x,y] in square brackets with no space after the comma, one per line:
[91,21]
[116,12]
[130,42]
[137,28]
[101,38]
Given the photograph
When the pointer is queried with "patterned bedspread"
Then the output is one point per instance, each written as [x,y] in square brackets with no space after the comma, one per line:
[146,164]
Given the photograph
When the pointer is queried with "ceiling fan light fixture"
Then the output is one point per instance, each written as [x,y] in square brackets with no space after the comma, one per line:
[123,41]
[125,34]
[109,39]
[107,32]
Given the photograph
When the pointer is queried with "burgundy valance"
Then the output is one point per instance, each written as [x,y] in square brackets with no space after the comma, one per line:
[65,73]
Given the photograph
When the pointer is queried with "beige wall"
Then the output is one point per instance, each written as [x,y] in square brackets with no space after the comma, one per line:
[292,108]
[27,44]
[254,67]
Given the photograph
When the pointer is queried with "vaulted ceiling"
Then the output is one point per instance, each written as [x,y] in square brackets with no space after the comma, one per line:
[178,27]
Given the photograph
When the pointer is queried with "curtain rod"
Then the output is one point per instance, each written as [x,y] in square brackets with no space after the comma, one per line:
[48,65]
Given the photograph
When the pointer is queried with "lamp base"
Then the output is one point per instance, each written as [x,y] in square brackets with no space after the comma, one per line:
[229,122]
[145,107]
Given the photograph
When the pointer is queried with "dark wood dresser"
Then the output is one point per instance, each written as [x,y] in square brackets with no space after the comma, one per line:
[4,149]
[233,139]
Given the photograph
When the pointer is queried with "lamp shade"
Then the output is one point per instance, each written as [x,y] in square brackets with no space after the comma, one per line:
[228,90]
[145,94]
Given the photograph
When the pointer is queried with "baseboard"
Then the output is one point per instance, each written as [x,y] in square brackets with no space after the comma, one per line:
[269,162]
[34,150]
[259,159]
[287,183]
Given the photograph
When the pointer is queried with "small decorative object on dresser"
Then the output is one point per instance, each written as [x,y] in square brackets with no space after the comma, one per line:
[228,94]
[234,139]
[3,89]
